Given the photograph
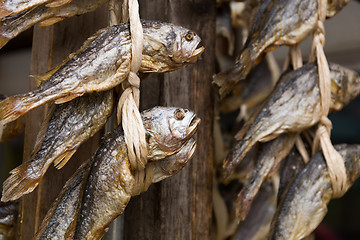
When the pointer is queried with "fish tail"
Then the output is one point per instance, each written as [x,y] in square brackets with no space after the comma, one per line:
[243,205]
[14,107]
[24,179]
[228,79]
[235,156]
[3,40]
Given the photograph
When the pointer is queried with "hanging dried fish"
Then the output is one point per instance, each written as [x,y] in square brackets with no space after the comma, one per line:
[104,61]
[89,205]
[45,14]
[305,204]
[279,22]
[11,130]
[8,7]
[71,124]
[293,106]
[257,223]
[270,154]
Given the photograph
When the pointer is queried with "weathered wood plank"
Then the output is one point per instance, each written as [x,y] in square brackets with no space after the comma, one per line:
[50,46]
[181,207]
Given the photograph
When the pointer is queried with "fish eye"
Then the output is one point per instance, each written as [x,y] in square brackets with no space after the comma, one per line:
[179,114]
[189,35]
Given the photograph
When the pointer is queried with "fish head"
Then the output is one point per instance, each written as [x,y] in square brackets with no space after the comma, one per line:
[172,164]
[168,129]
[345,86]
[168,47]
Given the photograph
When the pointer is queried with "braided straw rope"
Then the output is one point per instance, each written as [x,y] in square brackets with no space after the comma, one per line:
[333,159]
[128,106]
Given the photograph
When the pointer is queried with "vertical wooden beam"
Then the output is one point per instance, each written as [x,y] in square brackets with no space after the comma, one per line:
[181,207]
[50,46]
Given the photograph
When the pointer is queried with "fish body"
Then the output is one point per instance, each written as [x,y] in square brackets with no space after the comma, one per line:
[108,185]
[104,61]
[270,154]
[305,204]
[45,14]
[279,22]
[71,124]
[256,226]
[293,106]
[8,216]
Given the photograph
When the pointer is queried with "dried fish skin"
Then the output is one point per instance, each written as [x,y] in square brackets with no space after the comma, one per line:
[257,223]
[271,154]
[306,202]
[13,25]
[71,124]
[334,6]
[8,216]
[293,106]
[279,22]
[104,62]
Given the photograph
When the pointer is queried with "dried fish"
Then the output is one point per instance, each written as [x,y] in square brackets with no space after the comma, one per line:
[8,215]
[293,165]
[259,84]
[270,154]
[276,23]
[279,22]
[8,7]
[11,130]
[293,106]
[257,223]
[104,61]
[305,204]
[110,183]
[45,14]
[71,124]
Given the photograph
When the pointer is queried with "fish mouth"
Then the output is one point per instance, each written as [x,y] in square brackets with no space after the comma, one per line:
[196,54]
[193,126]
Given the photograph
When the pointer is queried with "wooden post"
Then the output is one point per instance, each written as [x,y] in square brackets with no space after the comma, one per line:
[50,46]
[180,207]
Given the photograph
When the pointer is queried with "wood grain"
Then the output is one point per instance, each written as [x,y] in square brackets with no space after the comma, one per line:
[50,46]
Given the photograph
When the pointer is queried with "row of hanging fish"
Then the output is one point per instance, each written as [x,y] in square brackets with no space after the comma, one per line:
[264,188]
[82,89]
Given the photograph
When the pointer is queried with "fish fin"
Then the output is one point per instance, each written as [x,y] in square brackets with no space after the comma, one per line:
[61,160]
[51,21]
[67,98]
[58,3]
[41,135]
[20,182]
[236,155]
[3,41]
[12,108]
[228,79]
